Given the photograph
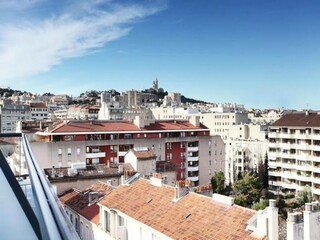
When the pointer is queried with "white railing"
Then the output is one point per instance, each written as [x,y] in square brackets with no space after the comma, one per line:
[194,179]
[95,155]
[192,159]
[193,149]
[193,169]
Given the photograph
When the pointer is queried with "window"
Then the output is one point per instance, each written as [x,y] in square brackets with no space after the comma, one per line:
[120,221]
[68,138]
[78,151]
[69,151]
[76,224]
[107,221]
[87,232]
[81,230]
[59,151]
[71,218]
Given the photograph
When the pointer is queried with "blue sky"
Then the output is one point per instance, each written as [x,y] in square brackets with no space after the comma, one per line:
[262,53]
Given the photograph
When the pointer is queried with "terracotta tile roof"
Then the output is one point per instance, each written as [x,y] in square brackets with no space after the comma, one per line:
[173,125]
[95,126]
[192,217]
[79,200]
[38,105]
[144,155]
[91,213]
[298,119]
[112,126]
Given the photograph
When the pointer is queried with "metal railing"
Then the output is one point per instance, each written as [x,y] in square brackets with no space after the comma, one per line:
[51,220]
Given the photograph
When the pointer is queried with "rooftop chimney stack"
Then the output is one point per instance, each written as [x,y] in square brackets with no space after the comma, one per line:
[273,224]
[311,222]
[295,226]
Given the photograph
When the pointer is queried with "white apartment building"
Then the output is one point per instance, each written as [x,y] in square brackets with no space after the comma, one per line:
[220,123]
[162,113]
[294,153]
[38,111]
[227,107]
[11,114]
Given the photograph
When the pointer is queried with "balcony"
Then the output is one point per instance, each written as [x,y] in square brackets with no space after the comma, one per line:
[275,173]
[193,169]
[289,185]
[288,165]
[40,211]
[193,149]
[304,167]
[284,135]
[272,145]
[273,135]
[285,145]
[315,191]
[194,179]
[95,155]
[275,183]
[274,164]
[315,158]
[272,155]
[315,147]
[301,136]
[316,180]
[290,175]
[315,136]
[192,159]
[316,169]
[122,153]
[304,178]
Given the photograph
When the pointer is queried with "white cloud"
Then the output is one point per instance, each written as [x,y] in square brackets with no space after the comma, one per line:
[34,45]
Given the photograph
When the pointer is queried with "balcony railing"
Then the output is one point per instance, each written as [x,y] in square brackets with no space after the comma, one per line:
[44,212]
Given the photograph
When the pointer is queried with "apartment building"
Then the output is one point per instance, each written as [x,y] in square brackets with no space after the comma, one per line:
[12,113]
[162,112]
[184,143]
[294,152]
[245,149]
[38,111]
[220,123]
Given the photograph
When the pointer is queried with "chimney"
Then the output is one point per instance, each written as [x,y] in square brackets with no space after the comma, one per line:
[156,180]
[93,196]
[195,121]
[139,121]
[180,190]
[311,222]
[295,226]
[223,199]
[273,225]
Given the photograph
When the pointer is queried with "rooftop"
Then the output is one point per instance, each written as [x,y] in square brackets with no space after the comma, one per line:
[144,154]
[192,217]
[298,119]
[38,105]
[93,171]
[121,126]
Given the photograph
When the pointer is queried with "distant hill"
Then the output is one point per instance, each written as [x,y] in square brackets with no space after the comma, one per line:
[91,95]
[190,100]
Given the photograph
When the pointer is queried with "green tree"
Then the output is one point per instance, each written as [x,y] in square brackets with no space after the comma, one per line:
[262,204]
[217,182]
[247,190]
[304,196]
[266,172]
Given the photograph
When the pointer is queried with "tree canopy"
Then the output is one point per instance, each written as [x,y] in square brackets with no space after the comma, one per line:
[217,182]
[247,190]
